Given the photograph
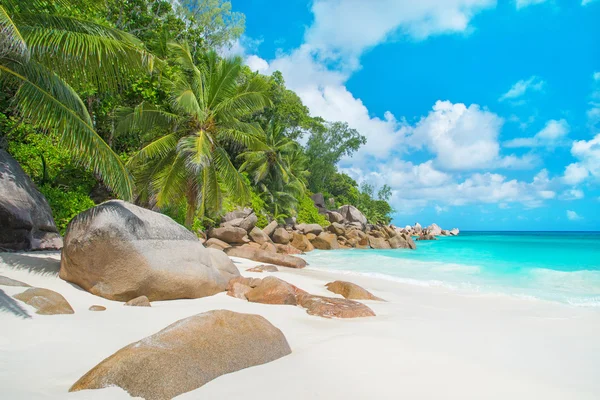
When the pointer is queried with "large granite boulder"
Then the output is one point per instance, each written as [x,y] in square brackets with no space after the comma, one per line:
[281,236]
[336,228]
[402,241]
[26,221]
[245,219]
[378,242]
[353,215]
[350,291]
[335,216]
[326,241]
[301,242]
[121,251]
[45,301]
[229,234]
[315,229]
[272,290]
[268,257]
[188,354]
[259,236]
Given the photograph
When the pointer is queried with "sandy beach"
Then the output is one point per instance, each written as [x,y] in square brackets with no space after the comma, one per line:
[424,343]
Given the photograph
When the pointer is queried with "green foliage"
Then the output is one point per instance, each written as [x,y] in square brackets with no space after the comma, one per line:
[65,203]
[308,213]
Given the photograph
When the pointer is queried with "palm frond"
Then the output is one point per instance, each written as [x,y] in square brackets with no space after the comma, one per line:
[231,179]
[157,149]
[11,41]
[145,117]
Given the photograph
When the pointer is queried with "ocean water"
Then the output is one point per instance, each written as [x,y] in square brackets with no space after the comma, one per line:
[557,266]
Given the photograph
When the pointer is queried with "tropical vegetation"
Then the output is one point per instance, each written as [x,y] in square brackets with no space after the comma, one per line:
[133,100]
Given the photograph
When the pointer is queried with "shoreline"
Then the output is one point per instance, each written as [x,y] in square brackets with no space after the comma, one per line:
[425,342]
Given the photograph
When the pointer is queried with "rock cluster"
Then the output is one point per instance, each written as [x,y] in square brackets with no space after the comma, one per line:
[429,233]
[272,290]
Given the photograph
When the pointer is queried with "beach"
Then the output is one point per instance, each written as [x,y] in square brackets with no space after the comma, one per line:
[424,343]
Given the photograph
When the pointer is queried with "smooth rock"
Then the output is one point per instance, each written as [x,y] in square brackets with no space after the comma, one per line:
[434,230]
[269,247]
[141,301]
[217,243]
[25,216]
[335,216]
[259,236]
[281,236]
[120,251]
[269,229]
[229,234]
[263,268]
[6,281]
[454,232]
[287,249]
[266,257]
[188,354]
[315,229]
[329,307]
[378,242]
[246,281]
[301,242]
[326,241]
[238,290]
[401,242]
[336,228]
[353,215]
[350,291]
[45,301]
[97,308]
[273,290]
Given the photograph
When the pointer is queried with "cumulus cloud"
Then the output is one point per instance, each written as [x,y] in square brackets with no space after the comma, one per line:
[573,216]
[588,154]
[572,194]
[575,173]
[552,135]
[256,63]
[586,2]
[519,89]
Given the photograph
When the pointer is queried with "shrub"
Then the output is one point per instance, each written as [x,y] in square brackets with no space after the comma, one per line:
[308,213]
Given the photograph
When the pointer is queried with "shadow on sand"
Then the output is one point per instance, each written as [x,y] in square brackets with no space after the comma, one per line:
[8,304]
[41,263]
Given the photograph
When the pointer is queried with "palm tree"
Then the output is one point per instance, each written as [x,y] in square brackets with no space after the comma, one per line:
[278,168]
[188,164]
[41,51]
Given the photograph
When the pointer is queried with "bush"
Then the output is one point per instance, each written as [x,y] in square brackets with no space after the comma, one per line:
[308,213]
[65,204]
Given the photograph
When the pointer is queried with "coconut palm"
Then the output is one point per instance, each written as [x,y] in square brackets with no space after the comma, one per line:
[188,163]
[40,52]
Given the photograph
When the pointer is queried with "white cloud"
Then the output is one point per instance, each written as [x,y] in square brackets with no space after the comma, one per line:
[596,76]
[586,2]
[552,135]
[572,194]
[257,64]
[573,216]
[519,89]
[575,173]
[588,154]
[525,3]
[439,209]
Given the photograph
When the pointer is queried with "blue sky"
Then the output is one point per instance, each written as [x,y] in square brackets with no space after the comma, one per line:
[480,114]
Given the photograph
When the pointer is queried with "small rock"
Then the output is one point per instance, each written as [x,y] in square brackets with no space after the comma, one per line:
[97,308]
[269,229]
[266,257]
[141,301]
[273,291]
[263,268]
[215,243]
[47,302]
[350,291]
[238,290]
[329,307]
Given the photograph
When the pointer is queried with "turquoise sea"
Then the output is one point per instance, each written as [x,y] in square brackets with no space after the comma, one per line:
[557,266]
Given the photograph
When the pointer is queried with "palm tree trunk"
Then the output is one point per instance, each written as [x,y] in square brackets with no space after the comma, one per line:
[192,206]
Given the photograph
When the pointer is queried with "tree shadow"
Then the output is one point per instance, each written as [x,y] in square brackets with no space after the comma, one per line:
[8,304]
[37,263]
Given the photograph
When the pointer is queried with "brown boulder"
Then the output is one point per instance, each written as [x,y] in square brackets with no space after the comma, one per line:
[335,216]
[263,268]
[120,251]
[6,281]
[229,234]
[246,281]
[238,290]
[287,249]
[269,229]
[188,354]
[329,307]
[141,301]
[273,291]
[378,242]
[311,236]
[260,237]
[402,241]
[350,291]
[281,236]
[97,308]
[269,247]
[336,228]
[315,229]
[326,241]
[215,243]
[266,257]
[46,301]
[301,242]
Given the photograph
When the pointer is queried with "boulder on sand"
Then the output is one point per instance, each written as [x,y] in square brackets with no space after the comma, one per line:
[272,290]
[25,216]
[329,307]
[350,291]
[229,234]
[215,243]
[326,241]
[141,301]
[301,242]
[120,251]
[250,253]
[188,354]
[46,301]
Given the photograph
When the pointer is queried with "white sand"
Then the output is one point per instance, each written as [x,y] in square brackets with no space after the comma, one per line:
[425,343]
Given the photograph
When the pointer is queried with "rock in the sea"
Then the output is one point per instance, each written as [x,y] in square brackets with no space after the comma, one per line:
[378,242]
[329,307]
[273,290]
[281,236]
[269,229]
[188,354]
[120,251]
[301,242]
[434,230]
[259,236]
[6,281]
[25,217]
[423,236]
[141,301]
[454,232]
[229,234]
[263,268]
[350,291]
[46,301]
[402,242]
[97,308]
[326,241]
[283,260]
[353,215]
